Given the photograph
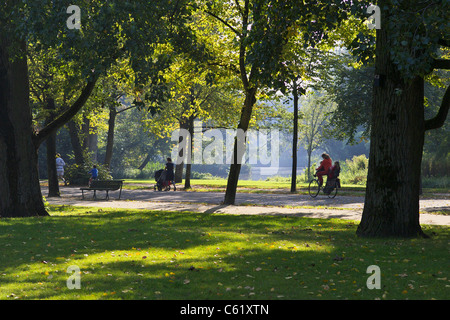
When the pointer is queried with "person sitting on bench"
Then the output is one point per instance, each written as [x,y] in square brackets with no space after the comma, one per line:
[94,174]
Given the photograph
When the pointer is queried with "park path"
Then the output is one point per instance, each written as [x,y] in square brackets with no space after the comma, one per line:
[341,207]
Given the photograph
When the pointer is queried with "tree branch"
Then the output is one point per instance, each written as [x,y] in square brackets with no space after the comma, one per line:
[230,67]
[439,120]
[128,108]
[224,22]
[67,115]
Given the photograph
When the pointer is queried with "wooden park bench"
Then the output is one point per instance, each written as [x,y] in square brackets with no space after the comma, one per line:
[103,185]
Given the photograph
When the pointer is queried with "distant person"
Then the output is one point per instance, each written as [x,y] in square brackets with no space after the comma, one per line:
[324,167]
[94,174]
[170,175]
[60,168]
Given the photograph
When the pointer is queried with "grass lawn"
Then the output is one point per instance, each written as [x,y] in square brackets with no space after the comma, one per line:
[136,254]
[247,186]
[260,186]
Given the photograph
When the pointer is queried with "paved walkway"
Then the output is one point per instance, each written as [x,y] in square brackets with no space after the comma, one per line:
[341,207]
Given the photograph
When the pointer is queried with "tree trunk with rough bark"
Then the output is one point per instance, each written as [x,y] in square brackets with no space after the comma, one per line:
[391,207]
[20,193]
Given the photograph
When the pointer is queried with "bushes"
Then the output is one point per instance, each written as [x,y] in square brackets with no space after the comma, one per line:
[131,173]
[436,182]
[148,173]
[79,174]
[436,171]
[354,171]
[433,166]
[203,175]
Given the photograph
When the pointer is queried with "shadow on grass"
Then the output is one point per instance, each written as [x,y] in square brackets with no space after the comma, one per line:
[166,255]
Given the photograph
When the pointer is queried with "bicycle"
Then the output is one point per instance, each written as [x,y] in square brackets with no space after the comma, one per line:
[314,187]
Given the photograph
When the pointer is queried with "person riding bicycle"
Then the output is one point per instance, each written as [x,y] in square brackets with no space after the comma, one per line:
[324,168]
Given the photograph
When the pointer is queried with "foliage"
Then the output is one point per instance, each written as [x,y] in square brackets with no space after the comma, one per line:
[46,203]
[436,156]
[350,87]
[76,174]
[354,171]
[132,144]
[437,182]
[308,175]
[436,165]
[202,175]
[125,172]
[316,109]
[415,31]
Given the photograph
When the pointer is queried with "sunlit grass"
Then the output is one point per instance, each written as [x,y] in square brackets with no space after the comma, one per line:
[137,254]
[250,184]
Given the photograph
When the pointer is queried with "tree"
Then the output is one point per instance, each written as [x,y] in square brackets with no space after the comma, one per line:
[116,85]
[407,49]
[299,72]
[115,29]
[350,86]
[256,32]
[197,90]
[42,69]
[316,111]
[20,190]
[436,159]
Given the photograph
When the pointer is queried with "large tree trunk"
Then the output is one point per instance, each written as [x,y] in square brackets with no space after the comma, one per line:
[20,193]
[391,207]
[239,144]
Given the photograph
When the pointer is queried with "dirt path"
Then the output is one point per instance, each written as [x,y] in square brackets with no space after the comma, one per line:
[341,207]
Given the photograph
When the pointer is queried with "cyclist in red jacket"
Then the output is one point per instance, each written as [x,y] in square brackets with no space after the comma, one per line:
[324,167]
